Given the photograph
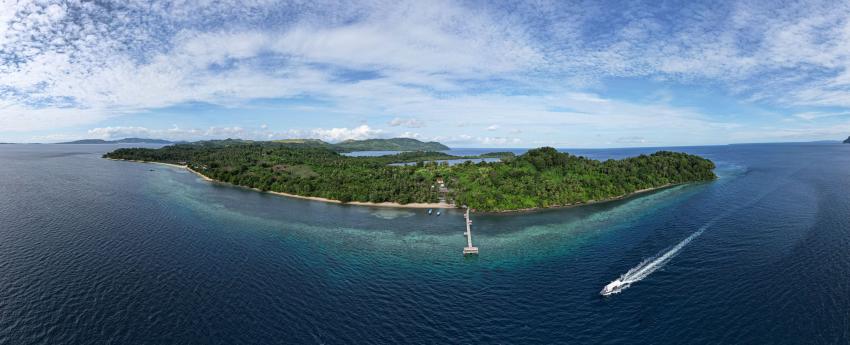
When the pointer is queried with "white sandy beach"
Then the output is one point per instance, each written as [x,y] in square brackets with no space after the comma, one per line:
[314,198]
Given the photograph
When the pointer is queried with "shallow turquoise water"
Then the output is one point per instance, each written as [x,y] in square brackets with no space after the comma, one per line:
[98,251]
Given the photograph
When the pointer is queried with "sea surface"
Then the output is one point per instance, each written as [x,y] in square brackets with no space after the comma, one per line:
[94,251]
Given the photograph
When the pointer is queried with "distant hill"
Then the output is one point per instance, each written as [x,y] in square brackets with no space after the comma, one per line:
[121,141]
[846,141]
[302,141]
[395,144]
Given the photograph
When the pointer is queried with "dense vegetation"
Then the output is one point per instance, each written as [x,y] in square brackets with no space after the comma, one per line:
[545,177]
[539,178]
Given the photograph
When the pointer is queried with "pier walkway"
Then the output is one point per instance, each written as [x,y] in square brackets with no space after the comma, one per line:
[469,250]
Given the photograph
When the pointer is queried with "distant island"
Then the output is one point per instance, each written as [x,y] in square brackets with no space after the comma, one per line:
[846,141]
[121,141]
[540,178]
[394,144]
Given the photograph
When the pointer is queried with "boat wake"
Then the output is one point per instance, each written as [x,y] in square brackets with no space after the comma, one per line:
[652,264]
[647,266]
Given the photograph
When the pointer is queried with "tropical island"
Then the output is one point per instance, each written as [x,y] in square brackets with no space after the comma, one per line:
[539,178]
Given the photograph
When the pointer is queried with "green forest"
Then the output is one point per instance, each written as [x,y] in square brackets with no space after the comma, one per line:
[540,178]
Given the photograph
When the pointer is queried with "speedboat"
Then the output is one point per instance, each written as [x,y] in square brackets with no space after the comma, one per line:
[429,211]
[438,213]
[613,287]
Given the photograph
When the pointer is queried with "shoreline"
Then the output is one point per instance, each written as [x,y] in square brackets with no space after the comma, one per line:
[313,198]
[591,202]
[410,205]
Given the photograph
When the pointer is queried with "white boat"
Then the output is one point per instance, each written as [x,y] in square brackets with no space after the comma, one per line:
[429,211]
[613,287]
[438,213]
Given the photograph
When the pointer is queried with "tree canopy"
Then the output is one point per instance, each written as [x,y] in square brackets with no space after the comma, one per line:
[541,177]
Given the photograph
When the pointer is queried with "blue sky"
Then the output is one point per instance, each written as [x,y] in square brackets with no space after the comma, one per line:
[466,73]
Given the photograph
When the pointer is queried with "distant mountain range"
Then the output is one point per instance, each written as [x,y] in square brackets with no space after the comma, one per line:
[394,144]
[121,141]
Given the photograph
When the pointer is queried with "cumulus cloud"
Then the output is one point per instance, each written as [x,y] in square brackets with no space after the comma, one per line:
[340,134]
[261,133]
[412,135]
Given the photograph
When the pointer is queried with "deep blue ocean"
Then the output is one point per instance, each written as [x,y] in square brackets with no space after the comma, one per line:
[94,251]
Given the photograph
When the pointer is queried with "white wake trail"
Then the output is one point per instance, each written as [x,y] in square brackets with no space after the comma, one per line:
[646,267]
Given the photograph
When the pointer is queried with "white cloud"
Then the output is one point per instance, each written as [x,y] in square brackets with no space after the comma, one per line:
[119,132]
[80,63]
[495,141]
[340,134]
[492,127]
[631,140]
[175,133]
[406,122]
[412,135]
[477,141]
[261,133]
[15,117]
[429,45]
[426,37]
[813,115]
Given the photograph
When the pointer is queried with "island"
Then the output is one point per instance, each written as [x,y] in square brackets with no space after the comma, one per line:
[846,141]
[539,178]
[395,144]
[347,146]
[120,141]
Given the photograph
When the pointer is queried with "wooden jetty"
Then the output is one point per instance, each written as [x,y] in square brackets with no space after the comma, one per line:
[469,250]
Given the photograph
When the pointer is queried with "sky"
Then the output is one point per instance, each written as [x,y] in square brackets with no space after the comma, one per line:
[465,73]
